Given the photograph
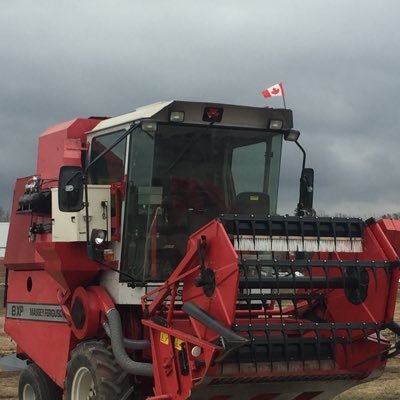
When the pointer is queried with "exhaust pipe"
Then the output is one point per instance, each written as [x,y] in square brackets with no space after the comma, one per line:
[118,347]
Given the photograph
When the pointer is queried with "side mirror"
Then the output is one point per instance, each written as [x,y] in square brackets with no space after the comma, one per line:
[306,191]
[70,189]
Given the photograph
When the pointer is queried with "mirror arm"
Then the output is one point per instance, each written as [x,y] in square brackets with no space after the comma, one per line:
[300,205]
[85,186]
[304,156]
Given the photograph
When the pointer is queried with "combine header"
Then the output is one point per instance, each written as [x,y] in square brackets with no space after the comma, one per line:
[145,259]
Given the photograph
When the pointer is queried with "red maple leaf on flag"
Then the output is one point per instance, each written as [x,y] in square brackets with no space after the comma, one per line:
[276,90]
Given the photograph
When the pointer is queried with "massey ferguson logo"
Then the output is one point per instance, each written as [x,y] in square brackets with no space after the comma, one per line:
[35,312]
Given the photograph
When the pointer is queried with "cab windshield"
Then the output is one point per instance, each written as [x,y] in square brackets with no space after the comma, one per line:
[180,178]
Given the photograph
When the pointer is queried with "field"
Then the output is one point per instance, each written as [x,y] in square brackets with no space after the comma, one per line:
[385,388]
[8,380]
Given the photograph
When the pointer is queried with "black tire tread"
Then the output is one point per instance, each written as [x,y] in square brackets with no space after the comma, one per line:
[111,381]
[43,386]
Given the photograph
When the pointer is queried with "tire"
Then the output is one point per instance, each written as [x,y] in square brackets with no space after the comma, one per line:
[34,384]
[93,374]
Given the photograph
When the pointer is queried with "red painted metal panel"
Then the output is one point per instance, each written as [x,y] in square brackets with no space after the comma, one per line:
[388,238]
[67,263]
[62,145]
[391,228]
[167,344]
[374,307]
[221,258]
[47,343]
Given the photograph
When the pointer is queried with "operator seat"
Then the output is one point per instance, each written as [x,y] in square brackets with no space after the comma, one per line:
[256,203]
[189,204]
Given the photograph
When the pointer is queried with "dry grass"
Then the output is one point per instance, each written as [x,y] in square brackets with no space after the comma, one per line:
[8,380]
[9,385]
[387,387]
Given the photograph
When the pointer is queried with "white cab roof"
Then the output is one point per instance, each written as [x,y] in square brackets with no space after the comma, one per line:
[233,115]
[139,113]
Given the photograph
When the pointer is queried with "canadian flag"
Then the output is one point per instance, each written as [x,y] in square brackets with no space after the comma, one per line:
[276,90]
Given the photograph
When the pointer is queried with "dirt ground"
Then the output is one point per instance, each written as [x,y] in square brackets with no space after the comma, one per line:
[387,387]
[8,380]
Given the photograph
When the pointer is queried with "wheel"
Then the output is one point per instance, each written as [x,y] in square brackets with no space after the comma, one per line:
[93,374]
[34,384]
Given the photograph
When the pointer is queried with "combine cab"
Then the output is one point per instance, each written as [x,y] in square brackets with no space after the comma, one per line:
[145,259]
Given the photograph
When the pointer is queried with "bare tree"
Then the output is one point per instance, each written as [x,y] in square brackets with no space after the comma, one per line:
[391,216]
[4,215]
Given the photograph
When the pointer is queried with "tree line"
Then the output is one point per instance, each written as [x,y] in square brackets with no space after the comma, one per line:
[322,213]
[4,215]
[391,216]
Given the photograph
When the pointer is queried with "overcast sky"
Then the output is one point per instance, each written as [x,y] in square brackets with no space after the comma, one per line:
[338,60]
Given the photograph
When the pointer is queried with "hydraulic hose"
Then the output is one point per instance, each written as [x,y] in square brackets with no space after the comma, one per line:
[130,344]
[118,348]
[207,320]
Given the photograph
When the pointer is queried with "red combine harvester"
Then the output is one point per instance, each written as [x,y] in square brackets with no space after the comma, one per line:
[145,259]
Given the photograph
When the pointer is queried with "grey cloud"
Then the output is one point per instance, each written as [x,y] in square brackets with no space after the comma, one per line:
[339,62]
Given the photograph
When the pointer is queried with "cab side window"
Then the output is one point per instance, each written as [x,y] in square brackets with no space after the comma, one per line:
[109,168]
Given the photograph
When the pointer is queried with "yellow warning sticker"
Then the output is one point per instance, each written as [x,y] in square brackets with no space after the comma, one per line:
[178,343]
[164,338]
[254,197]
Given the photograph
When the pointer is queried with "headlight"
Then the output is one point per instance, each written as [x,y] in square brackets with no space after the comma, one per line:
[98,236]
[177,116]
[292,135]
[275,124]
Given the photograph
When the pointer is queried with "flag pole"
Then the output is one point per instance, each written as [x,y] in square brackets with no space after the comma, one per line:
[284,102]
[283,94]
